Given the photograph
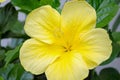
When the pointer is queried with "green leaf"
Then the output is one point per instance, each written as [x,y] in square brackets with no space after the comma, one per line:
[9,24]
[56,3]
[12,54]
[94,76]
[117,1]
[53,3]
[15,72]
[26,76]
[1,78]
[8,15]
[106,14]
[116,36]
[4,72]
[109,74]
[116,23]
[28,5]
[95,3]
[106,10]
[18,28]
[45,2]
[2,55]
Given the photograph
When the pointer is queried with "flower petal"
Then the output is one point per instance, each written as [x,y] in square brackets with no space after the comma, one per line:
[95,47]
[35,56]
[2,1]
[42,23]
[68,67]
[78,16]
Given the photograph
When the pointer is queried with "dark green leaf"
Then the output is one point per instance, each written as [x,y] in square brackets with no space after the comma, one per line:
[12,54]
[94,76]
[27,5]
[117,1]
[8,15]
[53,3]
[109,74]
[15,72]
[106,10]
[4,72]
[95,3]
[2,55]
[18,28]
[56,3]
[45,2]
[116,23]
[27,76]
[116,36]
[106,14]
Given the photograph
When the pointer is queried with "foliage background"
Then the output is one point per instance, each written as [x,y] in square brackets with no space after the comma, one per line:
[12,28]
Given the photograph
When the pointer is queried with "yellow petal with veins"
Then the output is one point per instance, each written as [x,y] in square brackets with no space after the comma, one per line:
[77,17]
[95,47]
[69,66]
[36,56]
[42,23]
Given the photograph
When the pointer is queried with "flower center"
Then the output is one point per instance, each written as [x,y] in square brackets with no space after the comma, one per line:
[67,48]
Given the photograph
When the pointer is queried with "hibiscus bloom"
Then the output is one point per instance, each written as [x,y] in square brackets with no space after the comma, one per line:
[64,46]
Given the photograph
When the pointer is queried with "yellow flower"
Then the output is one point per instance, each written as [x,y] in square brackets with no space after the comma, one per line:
[2,0]
[64,46]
